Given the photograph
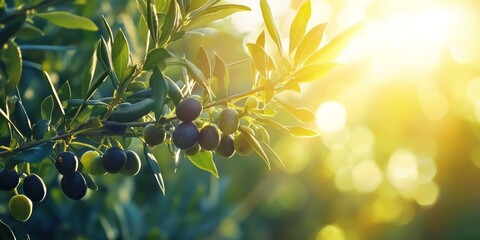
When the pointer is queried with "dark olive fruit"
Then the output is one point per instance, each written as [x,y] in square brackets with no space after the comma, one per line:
[114,160]
[74,185]
[228,121]
[66,162]
[153,135]
[133,165]
[193,150]
[96,166]
[20,207]
[40,128]
[34,188]
[241,145]
[9,180]
[209,138]
[189,109]
[226,148]
[185,135]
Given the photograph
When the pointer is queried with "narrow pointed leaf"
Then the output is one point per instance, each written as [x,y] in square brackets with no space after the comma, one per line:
[302,132]
[270,150]
[153,165]
[332,49]
[270,23]
[204,161]
[56,99]
[120,55]
[312,73]
[87,79]
[109,29]
[261,40]
[152,20]
[262,61]
[222,77]
[169,23]
[90,183]
[65,91]
[160,91]
[12,58]
[309,43]
[299,25]
[203,63]
[197,75]
[21,118]
[212,14]
[5,116]
[254,143]
[156,57]
[68,20]
[35,154]
[302,114]
[47,108]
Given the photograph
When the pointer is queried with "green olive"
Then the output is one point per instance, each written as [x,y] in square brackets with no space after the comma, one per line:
[20,207]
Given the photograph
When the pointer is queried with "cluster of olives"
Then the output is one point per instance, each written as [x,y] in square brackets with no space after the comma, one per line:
[34,189]
[192,136]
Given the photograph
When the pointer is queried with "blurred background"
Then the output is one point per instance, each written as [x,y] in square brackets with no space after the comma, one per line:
[398,156]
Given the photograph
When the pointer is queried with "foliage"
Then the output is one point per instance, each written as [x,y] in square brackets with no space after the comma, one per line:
[124,86]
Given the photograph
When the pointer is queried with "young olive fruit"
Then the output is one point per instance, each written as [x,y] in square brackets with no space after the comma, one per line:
[209,138]
[193,150]
[251,103]
[114,160]
[228,121]
[86,158]
[188,109]
[20,207]
[74,185]
[153,135]
[34,188]
[66,163]
[96,166]
[40,128]
[9,180]
[133,165]
[185,135]
[225,148]
[241,145]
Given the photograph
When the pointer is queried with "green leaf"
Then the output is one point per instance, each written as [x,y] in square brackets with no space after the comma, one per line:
[133,112]
[255,144]
[54,93]
[21,119]
[262,61]
[11,24]
[203,62]
[171,19]
[302,132]
[68,20]
[196,4]
[212,14]
[87,79]
[35,154]
[299,25]
[93,87]
[6,232]
[204,161]
[312,73]
[160,91]
[47,108]
[174,92]
[103,54]
[65,92]
[152,20]
[156,57]
[90,183]
[309,43]
[302,114]
[29,31]
[271,123]
[120,55]
[153,165]
[12,58]
[270,23]
[331,50]
[5,116]
[272,152]
[109,29]
[197,76]
[222,77]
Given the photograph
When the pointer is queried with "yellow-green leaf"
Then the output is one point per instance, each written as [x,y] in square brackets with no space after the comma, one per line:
[299,25]
[270,24]
[302,132]
[120,55]
[309,43]
[312,73]
[68,20]
[212,14]
[331,50]
[302,114]
[204,161]
[255,144]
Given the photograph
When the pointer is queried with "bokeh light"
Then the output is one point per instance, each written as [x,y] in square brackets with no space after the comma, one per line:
[331,116]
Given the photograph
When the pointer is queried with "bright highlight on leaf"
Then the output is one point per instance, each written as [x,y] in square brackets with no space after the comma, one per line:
[68,20]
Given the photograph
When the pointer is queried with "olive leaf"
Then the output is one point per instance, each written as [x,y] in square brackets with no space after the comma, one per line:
[120,55]
[153,165]
[65,91]
[197,76]
[309,43]
[21,118]
[211,14]
[261,40]
[156,57]
[5,116]
[46,108]
[152,20]
[302,114]
[89,73]
[203,63]
[299,25]
[68,20]
[35,154]
[270,24]
[174,92]
[331,50]
[160,91]
[302,132]
[255,144]
[204,161]
[55,96]
[262,61]
[109,30]
[171,20]
[11,24]
[222,77]
[12,58]
[311,73]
